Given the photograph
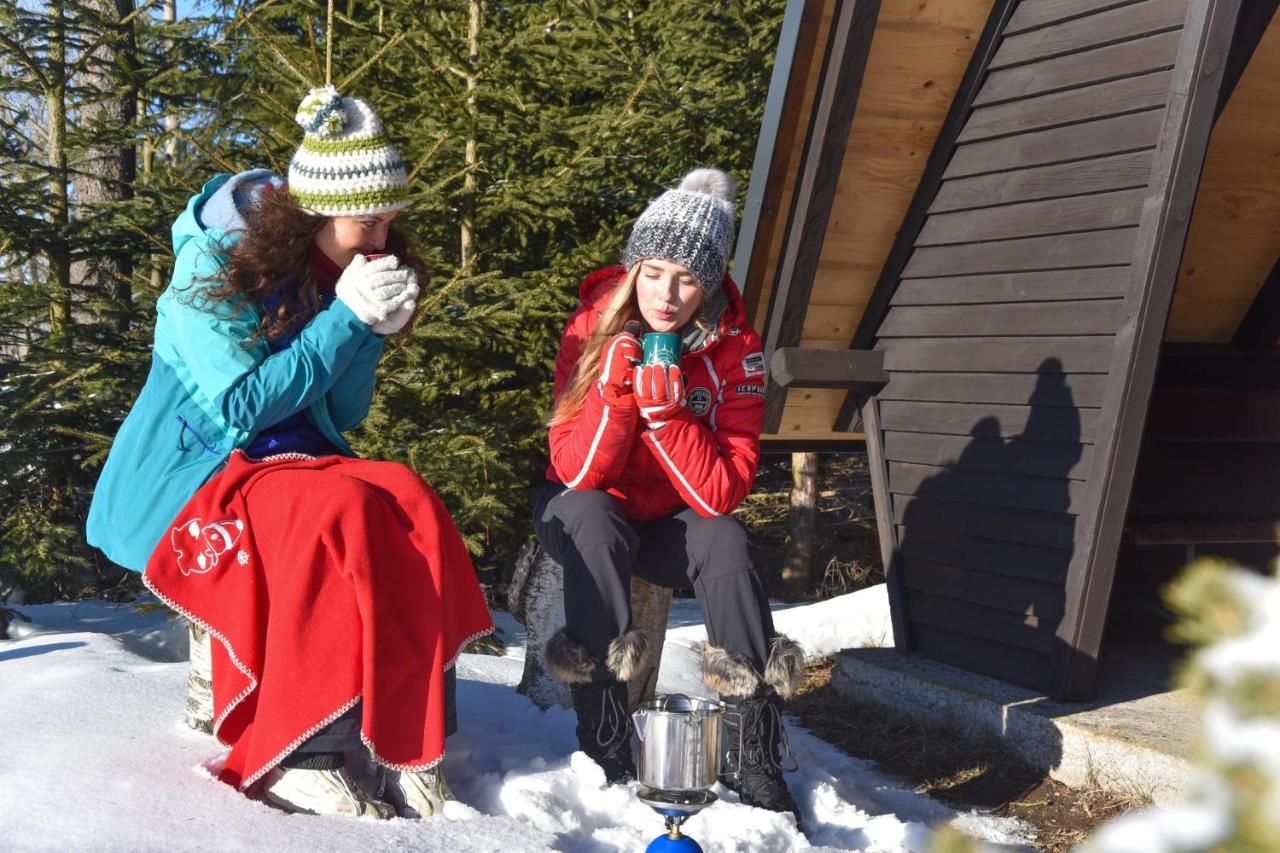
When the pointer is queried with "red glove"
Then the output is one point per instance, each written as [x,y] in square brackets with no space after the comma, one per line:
[660,392]
[621,353]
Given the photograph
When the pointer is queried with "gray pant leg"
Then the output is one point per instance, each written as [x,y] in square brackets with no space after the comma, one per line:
[586,533]
[713,556]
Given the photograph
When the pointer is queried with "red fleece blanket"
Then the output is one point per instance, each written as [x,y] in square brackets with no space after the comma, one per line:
[327,581]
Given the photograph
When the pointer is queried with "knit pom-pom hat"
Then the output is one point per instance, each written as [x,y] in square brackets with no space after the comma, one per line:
[691,225]
[345,166]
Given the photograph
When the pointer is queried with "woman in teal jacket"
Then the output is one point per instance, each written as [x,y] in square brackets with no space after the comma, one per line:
[266,345]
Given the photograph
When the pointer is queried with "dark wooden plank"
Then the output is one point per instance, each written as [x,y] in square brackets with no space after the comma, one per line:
[1179,159]
[1115,25]
[1258,332]
[1033,14]
[1255,17]
[1112,62]
[1090,317]
[1030,527]
[1034,423]
[1008,663]
[1009,559]
[1100,138]
[848,46]
[1218,366]
[886,527]
[787,84]
[1207,481]
[926,188]
[1201,415]
[1006,594]
[1200,531]
[1128,94]
[1103,174]
[1048,493]
[1035,218]
[1084,390]
[1041,286]
[975,620]
[1041,458]
[997,355]
[1062,251]
[1011,595]
[792,367]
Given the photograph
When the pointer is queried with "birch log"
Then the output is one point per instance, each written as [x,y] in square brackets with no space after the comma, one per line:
[536,599]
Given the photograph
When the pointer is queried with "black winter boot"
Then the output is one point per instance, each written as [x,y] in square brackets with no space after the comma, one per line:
[755,746]
[599,692]
[754,742]
[604,727]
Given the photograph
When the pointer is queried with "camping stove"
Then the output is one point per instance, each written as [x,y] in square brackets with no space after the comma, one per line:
[677,760]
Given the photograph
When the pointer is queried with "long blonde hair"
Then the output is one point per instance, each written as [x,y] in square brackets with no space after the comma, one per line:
[623,308]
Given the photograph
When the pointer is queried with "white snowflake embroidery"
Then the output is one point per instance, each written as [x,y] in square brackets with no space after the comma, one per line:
[242,557]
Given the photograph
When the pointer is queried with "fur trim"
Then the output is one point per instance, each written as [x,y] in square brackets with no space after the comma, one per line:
[785,668]
[728,673]
[713,182]
[628,654]
[567,660]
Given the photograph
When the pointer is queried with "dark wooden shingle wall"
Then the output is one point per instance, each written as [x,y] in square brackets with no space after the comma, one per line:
[1017,332]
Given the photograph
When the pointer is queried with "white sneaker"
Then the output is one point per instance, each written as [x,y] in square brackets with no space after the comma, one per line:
[418,793]
[329,792]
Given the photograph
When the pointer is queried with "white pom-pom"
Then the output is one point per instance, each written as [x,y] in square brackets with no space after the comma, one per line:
[713,182]
[321,113]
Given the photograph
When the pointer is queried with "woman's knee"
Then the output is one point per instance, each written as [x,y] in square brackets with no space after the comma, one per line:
[718,547]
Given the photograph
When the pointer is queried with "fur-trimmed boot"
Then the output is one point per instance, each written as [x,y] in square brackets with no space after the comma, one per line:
[599,693]
[753,737]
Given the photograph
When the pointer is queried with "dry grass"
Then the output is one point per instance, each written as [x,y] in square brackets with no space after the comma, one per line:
[970,774]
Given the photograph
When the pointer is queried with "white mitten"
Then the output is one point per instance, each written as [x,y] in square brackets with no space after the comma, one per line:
[398,318]
[374,289]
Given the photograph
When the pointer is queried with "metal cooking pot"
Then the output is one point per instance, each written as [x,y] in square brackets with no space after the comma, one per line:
[678,741]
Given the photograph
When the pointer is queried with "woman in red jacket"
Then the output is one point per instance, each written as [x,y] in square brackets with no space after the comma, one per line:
[647,462]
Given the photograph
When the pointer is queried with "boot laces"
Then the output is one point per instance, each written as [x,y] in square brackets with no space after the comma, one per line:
[613,719]
[759,731]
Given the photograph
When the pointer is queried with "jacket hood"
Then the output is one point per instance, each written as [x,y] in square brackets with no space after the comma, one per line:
[597,288]
[217,210]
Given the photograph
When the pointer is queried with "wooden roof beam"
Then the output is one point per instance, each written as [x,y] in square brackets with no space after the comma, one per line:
[782,110]
[1258,332]
[1255,17]
[792,367]
[852,27]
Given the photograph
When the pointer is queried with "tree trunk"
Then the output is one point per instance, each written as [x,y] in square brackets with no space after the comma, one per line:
[107,171]
[797,569]
[468,249]
[536,599]
[59,252]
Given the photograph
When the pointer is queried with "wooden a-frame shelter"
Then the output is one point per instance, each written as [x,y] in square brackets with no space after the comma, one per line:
[1026,250]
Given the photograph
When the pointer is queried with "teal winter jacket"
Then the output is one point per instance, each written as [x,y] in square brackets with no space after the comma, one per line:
[212,388]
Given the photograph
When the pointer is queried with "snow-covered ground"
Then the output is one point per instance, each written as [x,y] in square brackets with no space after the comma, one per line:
[94,755]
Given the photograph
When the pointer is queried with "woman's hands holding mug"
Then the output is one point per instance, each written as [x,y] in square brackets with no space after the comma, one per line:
[621,354]
[381,292]
[659,389]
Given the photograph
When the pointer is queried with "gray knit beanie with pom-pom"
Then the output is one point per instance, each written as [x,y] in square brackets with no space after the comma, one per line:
[691,225]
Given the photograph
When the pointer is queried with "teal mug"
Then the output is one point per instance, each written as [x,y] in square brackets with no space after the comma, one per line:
[661,348]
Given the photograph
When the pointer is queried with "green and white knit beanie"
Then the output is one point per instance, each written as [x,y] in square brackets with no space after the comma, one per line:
[345,166]
[691,225]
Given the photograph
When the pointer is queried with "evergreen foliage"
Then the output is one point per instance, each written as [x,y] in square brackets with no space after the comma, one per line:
[535,133]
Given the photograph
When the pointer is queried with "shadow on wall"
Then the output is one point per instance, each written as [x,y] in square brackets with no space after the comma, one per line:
[986,544]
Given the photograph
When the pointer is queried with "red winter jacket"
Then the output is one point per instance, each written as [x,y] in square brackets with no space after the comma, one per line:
[705,457]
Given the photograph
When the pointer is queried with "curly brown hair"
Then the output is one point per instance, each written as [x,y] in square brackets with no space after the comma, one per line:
[275,249]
